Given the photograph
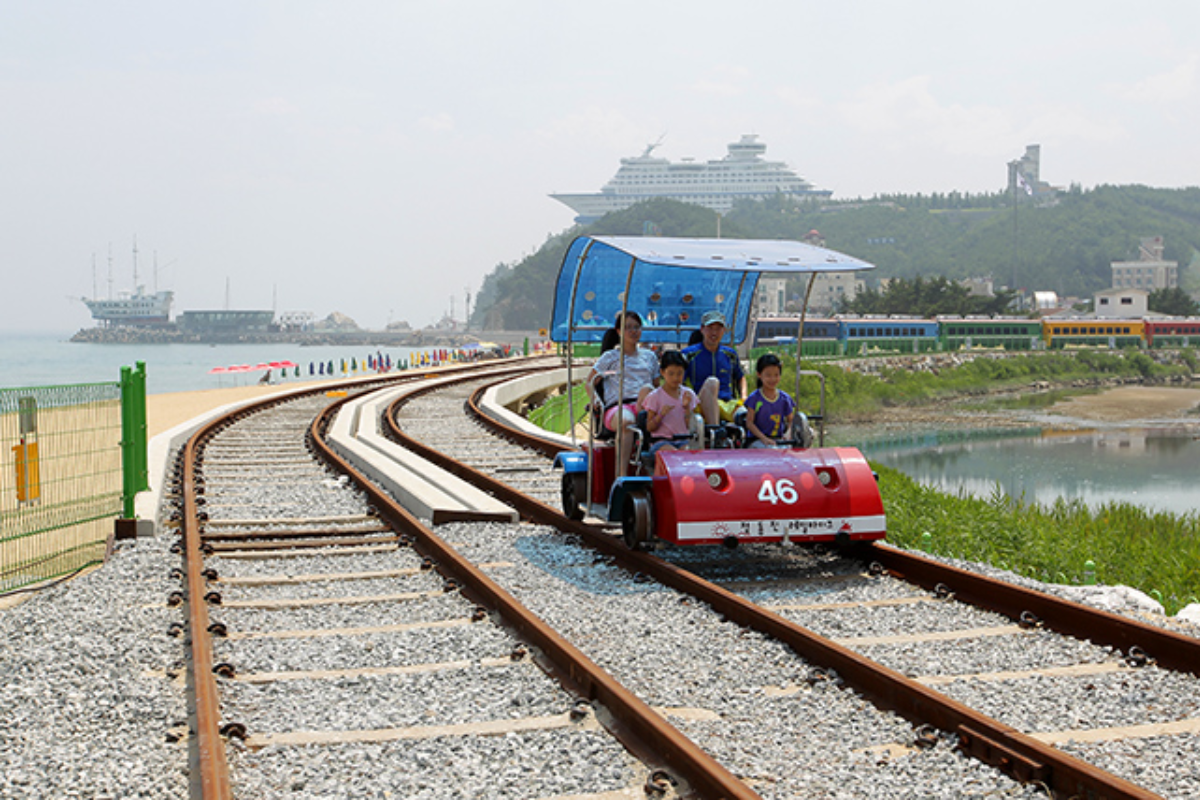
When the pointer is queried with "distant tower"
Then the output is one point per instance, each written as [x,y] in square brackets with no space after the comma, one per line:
[1025,173]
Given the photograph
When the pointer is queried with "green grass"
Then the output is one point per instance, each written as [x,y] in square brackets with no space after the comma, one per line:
[1157,553]
[1026,402]
[554,414]
[853,396]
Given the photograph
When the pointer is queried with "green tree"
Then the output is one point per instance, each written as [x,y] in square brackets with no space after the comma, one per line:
[927,298]
[1173,301]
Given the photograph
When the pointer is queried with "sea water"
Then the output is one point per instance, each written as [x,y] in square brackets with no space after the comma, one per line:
[52,359]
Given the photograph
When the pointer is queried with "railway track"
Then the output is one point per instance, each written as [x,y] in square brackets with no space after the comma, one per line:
[349,647]
[987,646]
[333,655]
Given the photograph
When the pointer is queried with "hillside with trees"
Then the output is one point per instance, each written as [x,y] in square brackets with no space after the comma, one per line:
[1066,246]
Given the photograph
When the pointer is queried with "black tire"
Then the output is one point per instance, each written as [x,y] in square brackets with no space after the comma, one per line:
[637,520]
[574,494]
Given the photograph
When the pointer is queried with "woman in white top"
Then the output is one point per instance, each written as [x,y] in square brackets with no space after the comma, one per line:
[639,378]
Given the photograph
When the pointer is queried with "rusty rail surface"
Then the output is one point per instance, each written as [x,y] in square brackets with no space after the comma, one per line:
[208,768]
[988,740]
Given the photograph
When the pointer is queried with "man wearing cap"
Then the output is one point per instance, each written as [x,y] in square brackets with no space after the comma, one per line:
[715,371]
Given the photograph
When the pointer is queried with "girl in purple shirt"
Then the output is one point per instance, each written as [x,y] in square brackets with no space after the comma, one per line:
[769,408]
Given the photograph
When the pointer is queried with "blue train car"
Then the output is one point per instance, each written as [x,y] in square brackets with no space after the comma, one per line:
[860,336]
[778,334]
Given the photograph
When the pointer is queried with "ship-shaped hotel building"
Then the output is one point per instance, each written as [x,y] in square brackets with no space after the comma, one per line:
[743,174]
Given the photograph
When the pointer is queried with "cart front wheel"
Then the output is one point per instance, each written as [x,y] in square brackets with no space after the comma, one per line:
[637,520]
[574,494]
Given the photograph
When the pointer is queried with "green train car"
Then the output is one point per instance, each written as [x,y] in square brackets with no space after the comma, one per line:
[958,333]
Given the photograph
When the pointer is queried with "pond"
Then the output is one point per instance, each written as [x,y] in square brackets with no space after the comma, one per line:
[1156,468]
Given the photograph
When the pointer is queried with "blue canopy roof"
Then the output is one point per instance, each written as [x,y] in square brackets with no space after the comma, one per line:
[672,282]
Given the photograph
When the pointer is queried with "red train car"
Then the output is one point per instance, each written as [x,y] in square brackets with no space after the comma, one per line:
[1175,332]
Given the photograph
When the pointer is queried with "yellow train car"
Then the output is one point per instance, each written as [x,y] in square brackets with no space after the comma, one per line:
[1111,333]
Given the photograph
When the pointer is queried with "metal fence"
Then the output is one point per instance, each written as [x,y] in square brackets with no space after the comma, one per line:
[63,476]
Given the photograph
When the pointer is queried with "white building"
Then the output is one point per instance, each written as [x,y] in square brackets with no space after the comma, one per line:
[1121,303]
[771,298]
[1149,272]
[979,287]
[831,288]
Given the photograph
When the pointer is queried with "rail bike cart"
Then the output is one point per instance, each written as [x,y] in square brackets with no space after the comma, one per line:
[702,496]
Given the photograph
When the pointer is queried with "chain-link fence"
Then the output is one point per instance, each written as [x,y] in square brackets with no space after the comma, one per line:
[61,476]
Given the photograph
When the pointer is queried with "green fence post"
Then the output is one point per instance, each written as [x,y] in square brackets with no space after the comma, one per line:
[128,457]
[142,479]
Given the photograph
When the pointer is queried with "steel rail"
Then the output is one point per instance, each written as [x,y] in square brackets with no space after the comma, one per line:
[207,765]
[994,743]
[642,730]
[1168,649]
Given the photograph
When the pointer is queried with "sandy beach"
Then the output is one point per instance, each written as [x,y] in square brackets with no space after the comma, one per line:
[1132,404]
[165,411]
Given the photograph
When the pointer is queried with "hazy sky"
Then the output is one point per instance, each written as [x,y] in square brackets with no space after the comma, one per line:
[377,158]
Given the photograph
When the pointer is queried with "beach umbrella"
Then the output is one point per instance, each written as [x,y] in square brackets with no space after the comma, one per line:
[218,370]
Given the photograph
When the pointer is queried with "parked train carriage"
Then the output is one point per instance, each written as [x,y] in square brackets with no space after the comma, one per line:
[888,335]
[778,334]
[1173,332]
[1008,333]
[1111,333]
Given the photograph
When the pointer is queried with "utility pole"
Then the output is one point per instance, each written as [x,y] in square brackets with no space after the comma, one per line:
[1013,166]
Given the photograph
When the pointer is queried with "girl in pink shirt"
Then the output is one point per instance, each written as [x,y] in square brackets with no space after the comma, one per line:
[669,407]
